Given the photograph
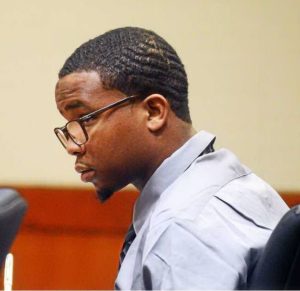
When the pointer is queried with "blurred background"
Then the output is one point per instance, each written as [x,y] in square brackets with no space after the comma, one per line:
[243,63]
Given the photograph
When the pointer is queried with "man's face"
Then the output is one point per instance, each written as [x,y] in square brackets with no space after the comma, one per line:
[114,153]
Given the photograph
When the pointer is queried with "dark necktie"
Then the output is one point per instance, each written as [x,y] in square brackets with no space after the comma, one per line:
[130,236]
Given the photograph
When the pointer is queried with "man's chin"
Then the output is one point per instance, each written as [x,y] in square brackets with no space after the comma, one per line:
[104,194]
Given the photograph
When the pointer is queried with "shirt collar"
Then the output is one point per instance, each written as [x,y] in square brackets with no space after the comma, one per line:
[170,169]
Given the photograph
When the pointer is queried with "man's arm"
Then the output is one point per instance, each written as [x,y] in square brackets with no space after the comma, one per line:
[214,255]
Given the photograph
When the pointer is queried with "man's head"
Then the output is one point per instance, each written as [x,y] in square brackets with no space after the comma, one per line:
[129,140]
[134,61]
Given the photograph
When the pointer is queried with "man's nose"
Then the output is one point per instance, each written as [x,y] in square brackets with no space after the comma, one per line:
[73,148]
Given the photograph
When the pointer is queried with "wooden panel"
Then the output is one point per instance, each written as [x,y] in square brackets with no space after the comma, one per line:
[69,240]
[291,198]
[77,210]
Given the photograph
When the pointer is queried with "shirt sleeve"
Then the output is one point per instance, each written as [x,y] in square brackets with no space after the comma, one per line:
[213,254]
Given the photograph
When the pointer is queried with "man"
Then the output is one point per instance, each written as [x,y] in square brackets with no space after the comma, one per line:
[202,218]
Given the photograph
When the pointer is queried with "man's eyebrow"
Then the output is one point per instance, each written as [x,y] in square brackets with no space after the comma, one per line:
[74,105]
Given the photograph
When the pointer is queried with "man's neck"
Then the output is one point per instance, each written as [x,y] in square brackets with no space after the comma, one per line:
[165,148]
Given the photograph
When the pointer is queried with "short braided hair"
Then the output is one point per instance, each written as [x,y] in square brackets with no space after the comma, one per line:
[134,61]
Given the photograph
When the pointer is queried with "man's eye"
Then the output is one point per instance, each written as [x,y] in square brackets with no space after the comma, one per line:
[89,119]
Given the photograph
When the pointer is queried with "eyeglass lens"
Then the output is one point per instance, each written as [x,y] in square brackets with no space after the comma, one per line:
[73,130]
[76,132]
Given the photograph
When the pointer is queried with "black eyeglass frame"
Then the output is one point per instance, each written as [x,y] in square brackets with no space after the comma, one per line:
[86,117]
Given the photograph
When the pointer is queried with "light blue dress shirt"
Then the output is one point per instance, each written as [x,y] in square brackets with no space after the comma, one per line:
[201,222]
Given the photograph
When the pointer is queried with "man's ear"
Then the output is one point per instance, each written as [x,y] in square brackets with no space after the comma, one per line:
[158,109]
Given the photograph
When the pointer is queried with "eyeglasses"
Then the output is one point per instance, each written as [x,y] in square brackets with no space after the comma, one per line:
[76,130]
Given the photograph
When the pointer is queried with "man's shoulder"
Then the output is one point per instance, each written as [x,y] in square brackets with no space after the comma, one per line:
[213,170]
[215,181]
[205,177]
[255,199]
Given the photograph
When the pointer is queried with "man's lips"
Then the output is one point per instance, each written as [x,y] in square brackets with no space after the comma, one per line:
[88,176]
[87,173]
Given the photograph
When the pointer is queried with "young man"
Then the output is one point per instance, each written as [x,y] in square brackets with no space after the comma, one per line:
[202,218]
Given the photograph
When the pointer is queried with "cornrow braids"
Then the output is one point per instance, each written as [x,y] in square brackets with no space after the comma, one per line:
[134,61]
